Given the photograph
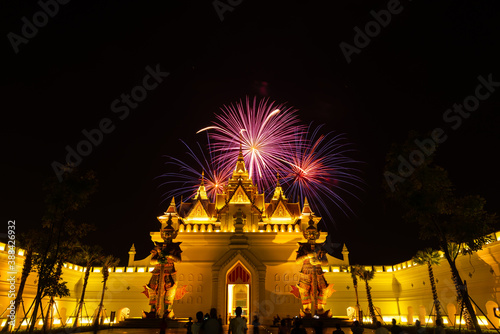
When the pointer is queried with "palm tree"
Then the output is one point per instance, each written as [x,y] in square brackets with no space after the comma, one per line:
[430,200]
[62,201]
[109,261]
[87,256]
[430,257]
[29,242]
[53,287]
[355,283]
[367,275]
[454,250]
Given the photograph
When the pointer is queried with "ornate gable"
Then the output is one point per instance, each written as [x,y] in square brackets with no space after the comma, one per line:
[197,212]
[240,196]
[281,212]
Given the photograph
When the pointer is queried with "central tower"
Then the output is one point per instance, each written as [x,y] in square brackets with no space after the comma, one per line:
[240,194]
[238,250]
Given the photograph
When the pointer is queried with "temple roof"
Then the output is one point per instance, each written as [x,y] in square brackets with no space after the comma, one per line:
[186,207]
[278,191]
[240,172]
[171,209]
[306,210]
[242,194]
[201,193]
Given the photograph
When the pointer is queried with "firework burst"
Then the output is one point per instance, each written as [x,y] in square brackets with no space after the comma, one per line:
[313,165]
[190,175]
[321,170]
[261,127]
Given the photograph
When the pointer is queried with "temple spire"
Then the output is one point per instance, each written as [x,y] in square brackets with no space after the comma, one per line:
[202,192]
[306,210]
[278,192]
[131,256]
[241,144]
[172,209]
[240,170]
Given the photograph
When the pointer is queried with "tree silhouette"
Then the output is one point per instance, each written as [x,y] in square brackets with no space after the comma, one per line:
[62,202]
[355,284]
[108,262]
[430,257]
[429,199]
[29,242]
[87,256]
[366,276]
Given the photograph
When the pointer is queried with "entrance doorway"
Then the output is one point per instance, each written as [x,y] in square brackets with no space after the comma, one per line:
[238,295]
[238,291]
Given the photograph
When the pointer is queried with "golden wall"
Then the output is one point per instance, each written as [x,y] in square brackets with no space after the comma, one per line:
[400,291]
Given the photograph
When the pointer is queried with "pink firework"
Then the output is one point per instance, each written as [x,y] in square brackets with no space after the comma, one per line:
[262,128]
[321,170]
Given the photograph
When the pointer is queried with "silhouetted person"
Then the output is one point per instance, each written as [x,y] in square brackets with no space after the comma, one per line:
[380,329]
[283,328]
[288,322]
[298,328]
[338,330]
[199,322]
[356,328]
[212,325]
[318,327]
[395,329]
[255,324]
[418,328]
[237,325]
[188,326]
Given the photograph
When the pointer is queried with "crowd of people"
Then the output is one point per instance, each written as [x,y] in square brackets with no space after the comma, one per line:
[205,324]
[211,324]
[396,329]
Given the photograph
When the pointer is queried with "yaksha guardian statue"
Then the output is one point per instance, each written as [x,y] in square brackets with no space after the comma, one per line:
[162,288]
[312,289]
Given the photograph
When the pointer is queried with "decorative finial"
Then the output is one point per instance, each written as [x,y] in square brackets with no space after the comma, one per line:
[202,177]
[240,155]
[169,233]
[311,233]
[278,177]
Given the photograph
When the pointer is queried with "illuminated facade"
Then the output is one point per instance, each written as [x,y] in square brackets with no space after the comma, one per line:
[241,251]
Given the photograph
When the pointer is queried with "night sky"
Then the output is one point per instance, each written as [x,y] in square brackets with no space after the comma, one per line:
[64,78]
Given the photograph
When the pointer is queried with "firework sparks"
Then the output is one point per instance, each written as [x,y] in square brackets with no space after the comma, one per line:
[313,165]
[190,175]
[322,171]
[261,128]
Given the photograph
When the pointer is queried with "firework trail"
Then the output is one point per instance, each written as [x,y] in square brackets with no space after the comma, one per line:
[322,171]
[188,179]
[262,127]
